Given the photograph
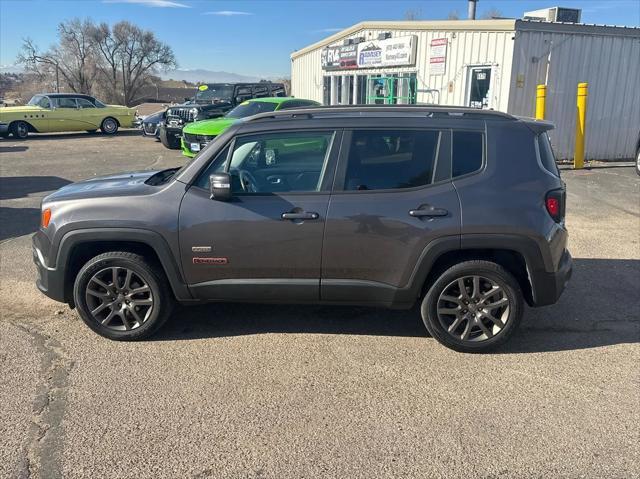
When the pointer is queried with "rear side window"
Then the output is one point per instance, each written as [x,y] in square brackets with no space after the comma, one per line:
[467,152]
[391,159]
[547,158]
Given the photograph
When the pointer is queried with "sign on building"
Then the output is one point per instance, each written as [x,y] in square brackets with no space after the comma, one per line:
[391,52]
[438,56]
[339,58]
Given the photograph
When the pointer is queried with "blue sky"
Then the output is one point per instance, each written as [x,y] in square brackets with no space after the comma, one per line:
[256,37]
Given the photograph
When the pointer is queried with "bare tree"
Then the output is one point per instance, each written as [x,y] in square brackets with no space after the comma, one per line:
[414,14]
[140,55]
[71,60]
[108,48]
[491,13]
[117,61]
[453,15]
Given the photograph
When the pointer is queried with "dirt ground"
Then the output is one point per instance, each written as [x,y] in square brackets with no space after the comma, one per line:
[250,391]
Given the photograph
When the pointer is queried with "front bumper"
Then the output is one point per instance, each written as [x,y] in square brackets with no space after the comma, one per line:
[150,129]
[548,287]
[50,280]
[185,149]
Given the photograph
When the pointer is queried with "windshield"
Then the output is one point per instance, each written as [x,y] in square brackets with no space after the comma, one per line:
[249,108]
[214,92]
[40,100]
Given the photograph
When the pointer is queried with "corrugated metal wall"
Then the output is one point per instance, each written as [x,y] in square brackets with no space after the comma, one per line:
[611,66]
[608,58]
[465,48]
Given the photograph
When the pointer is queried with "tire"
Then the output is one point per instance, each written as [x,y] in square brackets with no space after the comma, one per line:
[127,316]
[20,130]
[109,126]
[169,141]
[484,334]
[638,161]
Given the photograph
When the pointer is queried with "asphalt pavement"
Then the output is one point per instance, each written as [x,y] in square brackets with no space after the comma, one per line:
[253,391]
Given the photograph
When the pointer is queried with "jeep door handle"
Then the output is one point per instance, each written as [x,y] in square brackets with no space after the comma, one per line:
[429,212]
[302,215]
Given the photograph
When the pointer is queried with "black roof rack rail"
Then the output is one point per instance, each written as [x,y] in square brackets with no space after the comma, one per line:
[358,110]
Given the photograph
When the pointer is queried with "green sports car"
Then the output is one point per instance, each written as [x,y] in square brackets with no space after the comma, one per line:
[196,135]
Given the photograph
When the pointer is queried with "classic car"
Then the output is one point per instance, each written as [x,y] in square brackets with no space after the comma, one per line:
[54,112]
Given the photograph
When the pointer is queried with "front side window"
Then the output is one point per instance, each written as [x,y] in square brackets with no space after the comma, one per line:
[282,162]
[218,165]
[64,102]
[249,108]
[41,101]
[391,159]
[82,103]
[467,152]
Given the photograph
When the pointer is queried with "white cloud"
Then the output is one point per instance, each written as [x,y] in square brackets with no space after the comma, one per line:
[227,13]
[328,30]
[151,3]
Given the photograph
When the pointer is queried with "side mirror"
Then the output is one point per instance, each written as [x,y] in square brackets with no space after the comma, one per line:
[220,186]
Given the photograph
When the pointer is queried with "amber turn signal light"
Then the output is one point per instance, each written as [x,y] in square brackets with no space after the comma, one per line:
[46,217]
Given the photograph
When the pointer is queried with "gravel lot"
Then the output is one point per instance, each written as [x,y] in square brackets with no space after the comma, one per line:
[246,391]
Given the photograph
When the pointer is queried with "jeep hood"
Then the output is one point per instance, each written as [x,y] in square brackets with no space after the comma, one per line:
[209,127]
[122,184]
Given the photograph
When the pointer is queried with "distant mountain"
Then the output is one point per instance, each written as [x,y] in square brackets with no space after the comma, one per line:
[11,69]
[206,76]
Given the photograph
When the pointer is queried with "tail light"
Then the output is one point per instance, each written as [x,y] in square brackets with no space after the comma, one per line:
[555,204]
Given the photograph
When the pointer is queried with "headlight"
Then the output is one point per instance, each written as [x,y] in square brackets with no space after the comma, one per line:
[193,112]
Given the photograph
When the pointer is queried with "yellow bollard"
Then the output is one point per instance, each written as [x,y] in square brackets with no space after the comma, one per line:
[541,98]
[581,117]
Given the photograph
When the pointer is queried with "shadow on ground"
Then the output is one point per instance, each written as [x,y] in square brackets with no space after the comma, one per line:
[16,222]
[71,136]
[599,308]
[13,149]
[12,187]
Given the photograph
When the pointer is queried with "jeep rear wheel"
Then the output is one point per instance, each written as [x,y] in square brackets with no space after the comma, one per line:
[121,296]
[473,306]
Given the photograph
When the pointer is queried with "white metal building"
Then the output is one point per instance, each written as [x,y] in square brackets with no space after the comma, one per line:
[487,64]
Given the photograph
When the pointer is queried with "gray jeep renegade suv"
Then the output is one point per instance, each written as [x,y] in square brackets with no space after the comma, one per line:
[458,210]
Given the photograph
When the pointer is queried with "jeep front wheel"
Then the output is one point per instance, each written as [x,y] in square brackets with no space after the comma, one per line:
[120,296]
[473,306]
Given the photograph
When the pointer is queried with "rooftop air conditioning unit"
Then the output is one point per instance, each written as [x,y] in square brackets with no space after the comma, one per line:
[555,14]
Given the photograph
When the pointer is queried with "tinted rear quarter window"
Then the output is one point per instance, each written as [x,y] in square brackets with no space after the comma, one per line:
[467,152]
[547,158]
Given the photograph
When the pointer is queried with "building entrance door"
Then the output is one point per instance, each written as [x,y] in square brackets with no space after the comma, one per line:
[391,90]
[479,87]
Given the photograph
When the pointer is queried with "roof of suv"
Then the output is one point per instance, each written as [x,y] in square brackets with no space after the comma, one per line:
[429,111]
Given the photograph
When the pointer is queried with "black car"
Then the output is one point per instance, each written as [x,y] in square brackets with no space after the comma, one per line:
[211,100]
[150,124]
